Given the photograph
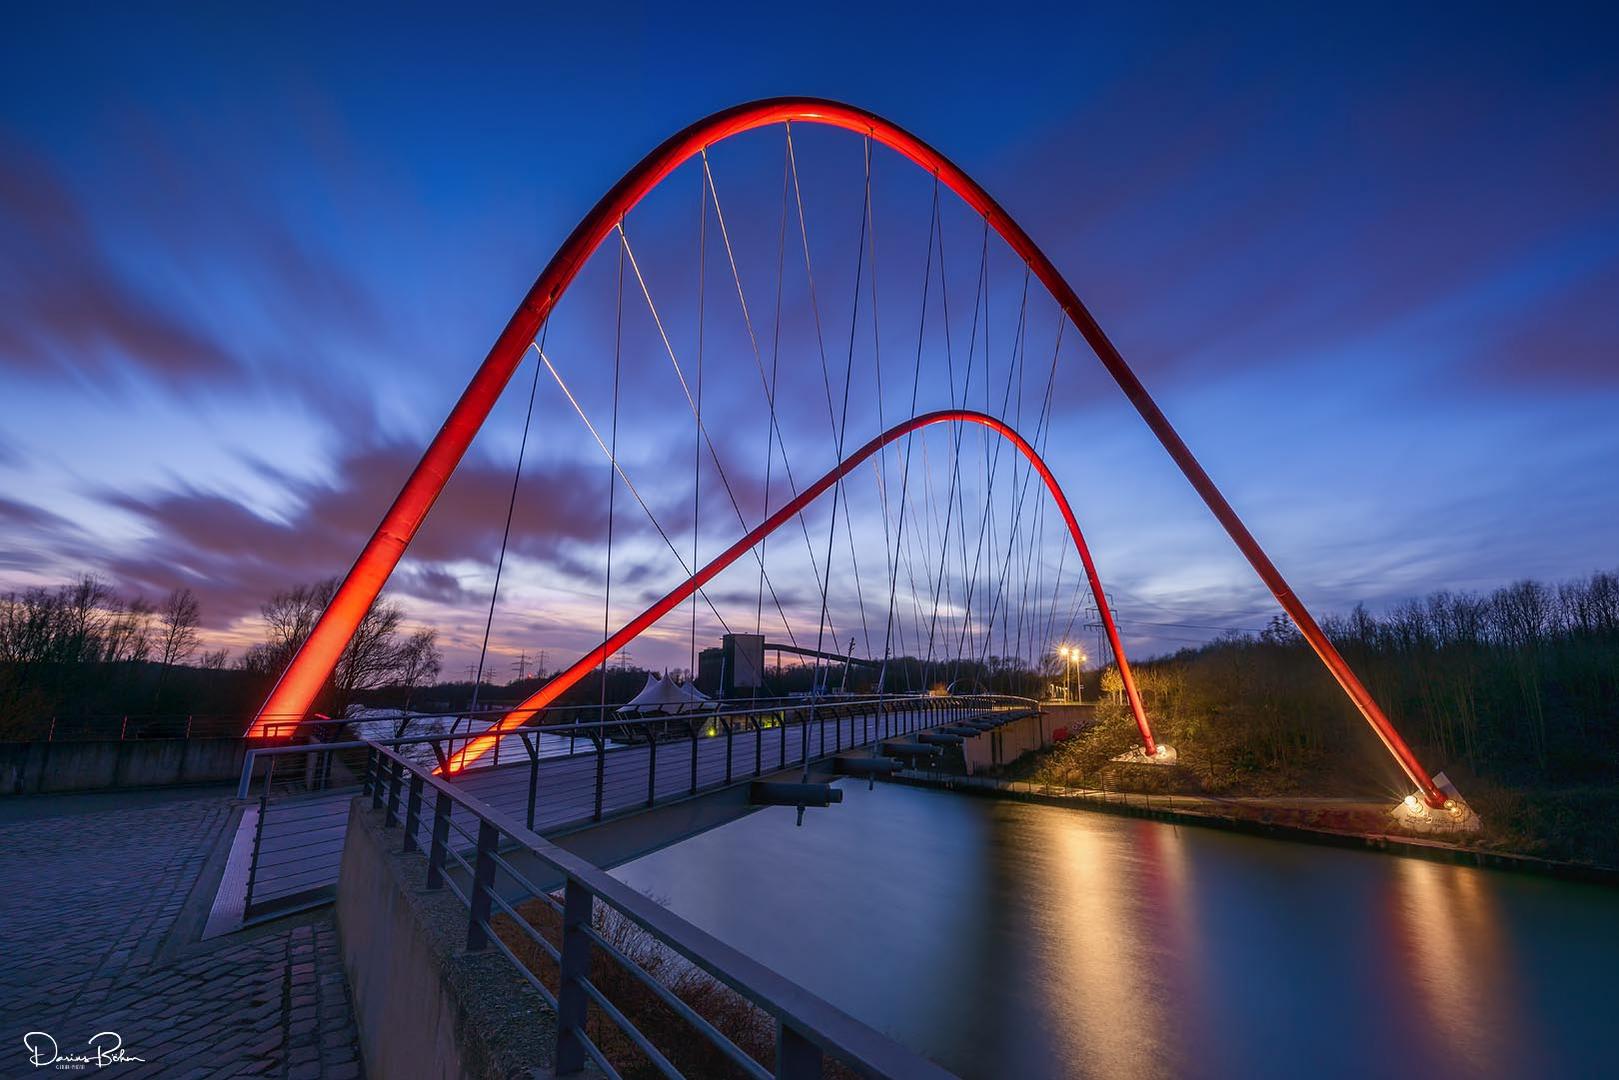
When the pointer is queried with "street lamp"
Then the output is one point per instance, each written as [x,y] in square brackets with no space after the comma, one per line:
[1073,656]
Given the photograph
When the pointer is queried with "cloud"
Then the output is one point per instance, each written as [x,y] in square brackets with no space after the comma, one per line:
[187,286]
[65,305]
[235,557]
[27,515]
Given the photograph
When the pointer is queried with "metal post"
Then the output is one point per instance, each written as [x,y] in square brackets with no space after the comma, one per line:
[783,739]
[533,777]
[253,863]
[651,766]
[124,730]
[601,769]
[692,728]
[374,766]
[413,812]
[727,723]
[394,777]
[573,968]
[796,1057]
[438,848]
[483,880]
[758,746]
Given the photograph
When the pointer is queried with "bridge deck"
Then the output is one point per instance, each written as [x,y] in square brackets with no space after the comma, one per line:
[301,842]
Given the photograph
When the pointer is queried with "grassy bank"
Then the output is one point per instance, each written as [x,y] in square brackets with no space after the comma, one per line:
[1571,822]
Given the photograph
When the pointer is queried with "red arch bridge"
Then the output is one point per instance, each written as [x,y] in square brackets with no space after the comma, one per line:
[940,595]
[296,691]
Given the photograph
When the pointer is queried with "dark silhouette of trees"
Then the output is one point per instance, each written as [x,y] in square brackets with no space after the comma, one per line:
[80,652]
[374,658]
[177,619]
[419,662]
[1519,687]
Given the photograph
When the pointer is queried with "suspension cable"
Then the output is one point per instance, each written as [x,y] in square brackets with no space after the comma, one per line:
[629,485]
[505,535]
[612,471]
[697,409]
[839,430]
[775,439]
[770,389]
[713,452]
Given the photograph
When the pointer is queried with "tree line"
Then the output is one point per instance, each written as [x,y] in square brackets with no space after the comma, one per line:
[81,649]
[1518,686]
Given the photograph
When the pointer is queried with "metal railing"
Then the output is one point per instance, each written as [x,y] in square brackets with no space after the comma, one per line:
[122,727]
[63,727]
[807,1029]
[557,776]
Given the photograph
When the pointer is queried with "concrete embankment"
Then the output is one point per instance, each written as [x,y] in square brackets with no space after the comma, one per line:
[32,768]
[1217,814]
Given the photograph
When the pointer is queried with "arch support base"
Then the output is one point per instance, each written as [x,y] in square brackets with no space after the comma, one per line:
[1416,814]
[1163,754]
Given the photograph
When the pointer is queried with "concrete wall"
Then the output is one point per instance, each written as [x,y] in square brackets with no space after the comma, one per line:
[1069,715]
[426,1008]
[1006,743]
[38,767]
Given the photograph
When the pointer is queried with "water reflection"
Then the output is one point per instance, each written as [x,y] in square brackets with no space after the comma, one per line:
[1108,952]
[1007,940]
[1458,969]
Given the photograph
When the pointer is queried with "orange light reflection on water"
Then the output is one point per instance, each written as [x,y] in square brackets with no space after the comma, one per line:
[1457,965]
[1123,942]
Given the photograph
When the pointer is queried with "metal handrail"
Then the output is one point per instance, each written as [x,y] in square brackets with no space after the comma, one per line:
[128,726]
[807,1026]
[590,729]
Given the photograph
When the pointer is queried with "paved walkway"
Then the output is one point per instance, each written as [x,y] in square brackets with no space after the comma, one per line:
[98,933]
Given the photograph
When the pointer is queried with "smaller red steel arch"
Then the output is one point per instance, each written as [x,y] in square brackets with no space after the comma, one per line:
[295,692]
[632,629]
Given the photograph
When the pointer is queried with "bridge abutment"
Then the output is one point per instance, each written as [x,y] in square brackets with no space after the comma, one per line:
[425,1006]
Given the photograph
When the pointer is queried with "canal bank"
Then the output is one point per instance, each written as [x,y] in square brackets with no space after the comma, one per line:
[1174,809]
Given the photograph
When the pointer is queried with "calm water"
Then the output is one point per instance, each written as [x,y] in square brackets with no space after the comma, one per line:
[1006,940]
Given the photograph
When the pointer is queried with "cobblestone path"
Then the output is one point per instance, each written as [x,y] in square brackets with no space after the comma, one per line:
[91,941]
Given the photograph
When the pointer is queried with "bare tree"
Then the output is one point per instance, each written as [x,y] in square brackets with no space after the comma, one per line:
[372,656]
[289,617]
[419,661]
[215,660]
[177,621]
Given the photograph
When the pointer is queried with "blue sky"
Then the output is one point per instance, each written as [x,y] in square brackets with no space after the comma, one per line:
[1368,262]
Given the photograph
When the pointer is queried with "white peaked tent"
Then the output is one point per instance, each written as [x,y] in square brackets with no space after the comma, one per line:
[659,695]
[693,695]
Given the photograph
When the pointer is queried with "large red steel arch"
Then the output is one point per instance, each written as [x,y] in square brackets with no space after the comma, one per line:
[548,693]
[295,692]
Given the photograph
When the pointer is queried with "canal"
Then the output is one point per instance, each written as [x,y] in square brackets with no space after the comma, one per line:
[1010,940]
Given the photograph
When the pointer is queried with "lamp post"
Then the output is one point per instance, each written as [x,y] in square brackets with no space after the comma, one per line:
[1073,656]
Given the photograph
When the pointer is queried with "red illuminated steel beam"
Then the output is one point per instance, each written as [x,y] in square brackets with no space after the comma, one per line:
[633,629]
[298,687]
